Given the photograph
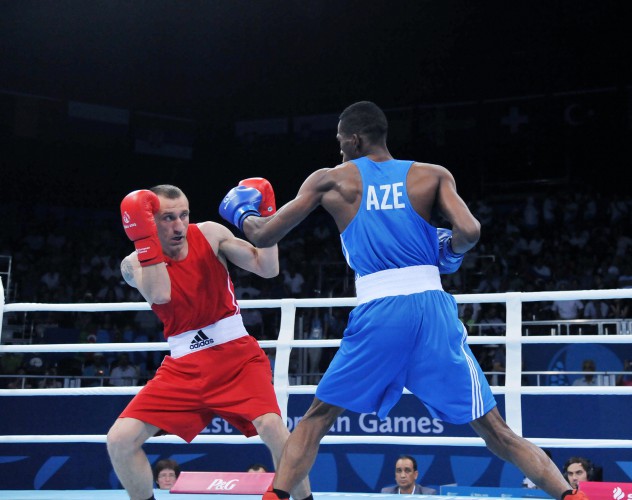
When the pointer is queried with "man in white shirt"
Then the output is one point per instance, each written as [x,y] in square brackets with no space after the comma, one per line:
[124,374]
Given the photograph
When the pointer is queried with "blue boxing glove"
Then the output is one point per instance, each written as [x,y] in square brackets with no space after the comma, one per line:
[449,260]
[239,203]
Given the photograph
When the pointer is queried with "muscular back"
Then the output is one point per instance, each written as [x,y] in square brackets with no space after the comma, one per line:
[343,191]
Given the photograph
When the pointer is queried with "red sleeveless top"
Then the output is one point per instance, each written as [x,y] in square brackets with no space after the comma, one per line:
[202,292]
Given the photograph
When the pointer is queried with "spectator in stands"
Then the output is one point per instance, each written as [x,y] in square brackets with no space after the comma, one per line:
[124,373]
[406,475]
[50,380]
[293,279]
[567,309]
[589,379]
[491,322]
[166,472]
[10,362]
[314,329]
[97,367]
[596,309]
[20,381]
[256,468]
[531,214]
[620,308]
[492,360]
[467,318]
[111,291]
[578,469]
[51,279]
[549,209]
[626,378]
[246,289]
[540,269]
[253,319]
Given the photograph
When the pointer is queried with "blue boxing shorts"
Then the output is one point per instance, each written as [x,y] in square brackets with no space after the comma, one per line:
[415,341]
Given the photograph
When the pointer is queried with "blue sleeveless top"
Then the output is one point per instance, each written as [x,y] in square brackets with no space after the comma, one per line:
[387,233]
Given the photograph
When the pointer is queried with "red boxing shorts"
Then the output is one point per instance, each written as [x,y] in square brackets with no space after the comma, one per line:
[232,380]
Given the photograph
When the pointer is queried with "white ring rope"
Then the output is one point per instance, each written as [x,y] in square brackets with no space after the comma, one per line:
[383,440]
[512,390]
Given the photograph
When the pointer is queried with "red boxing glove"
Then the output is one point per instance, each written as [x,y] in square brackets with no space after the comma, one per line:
[137,211]
[267,206]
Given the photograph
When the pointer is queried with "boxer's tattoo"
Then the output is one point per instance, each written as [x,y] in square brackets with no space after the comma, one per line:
[127,271]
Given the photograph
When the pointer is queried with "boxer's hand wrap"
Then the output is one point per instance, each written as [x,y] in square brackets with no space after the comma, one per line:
[239,203]
[268,205]
[449,260]
[137,211]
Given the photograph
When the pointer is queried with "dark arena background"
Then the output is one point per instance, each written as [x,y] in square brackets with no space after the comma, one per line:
[524,102]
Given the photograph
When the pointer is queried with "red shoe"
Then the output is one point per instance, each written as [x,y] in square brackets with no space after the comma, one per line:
[571,495]
[270,494]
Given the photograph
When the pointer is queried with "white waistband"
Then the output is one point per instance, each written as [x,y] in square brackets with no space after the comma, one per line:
[223,331]
[391,282]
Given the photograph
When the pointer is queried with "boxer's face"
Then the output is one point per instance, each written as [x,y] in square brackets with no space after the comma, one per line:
[348,145]
[173,221]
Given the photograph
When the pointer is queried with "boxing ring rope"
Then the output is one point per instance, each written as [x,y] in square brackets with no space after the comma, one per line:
[512,390]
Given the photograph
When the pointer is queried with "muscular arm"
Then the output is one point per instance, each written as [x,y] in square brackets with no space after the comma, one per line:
[466,229]
[151,281]
[261,261]
[266,231]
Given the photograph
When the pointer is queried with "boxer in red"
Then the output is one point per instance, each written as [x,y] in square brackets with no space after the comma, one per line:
[215,367]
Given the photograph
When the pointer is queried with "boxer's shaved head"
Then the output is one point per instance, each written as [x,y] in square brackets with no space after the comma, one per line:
[167,191]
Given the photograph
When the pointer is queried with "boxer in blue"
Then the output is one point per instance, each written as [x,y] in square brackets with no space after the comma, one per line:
[405,331]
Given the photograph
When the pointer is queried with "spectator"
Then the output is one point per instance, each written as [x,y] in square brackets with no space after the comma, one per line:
[293,280]
[314,328]
[124,374]
[467,318]
[406,475]
[578,469]
[626,378]
[596,309]
[493,362]
[491,323]
[256,468]
[166,472]
[20,381]
[253,319]
[589,379]
[567,309]
[531,214]
[619,308]
[97,367]
[111,291]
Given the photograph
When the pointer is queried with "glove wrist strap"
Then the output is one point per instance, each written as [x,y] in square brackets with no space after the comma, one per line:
[247,212]
[149,251]
[449,253]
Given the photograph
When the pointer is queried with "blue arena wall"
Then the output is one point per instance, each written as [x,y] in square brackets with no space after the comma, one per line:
[352,468]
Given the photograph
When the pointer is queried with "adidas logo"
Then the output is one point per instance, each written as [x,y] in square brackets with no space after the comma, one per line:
[200,340]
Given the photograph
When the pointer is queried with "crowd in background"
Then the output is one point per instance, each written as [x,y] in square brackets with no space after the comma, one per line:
[562,239]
